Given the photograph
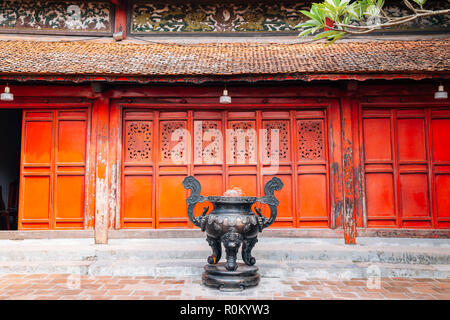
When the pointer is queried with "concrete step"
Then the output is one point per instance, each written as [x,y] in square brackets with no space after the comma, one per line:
[412,252]
[307,269]
[331,270]
[276,257]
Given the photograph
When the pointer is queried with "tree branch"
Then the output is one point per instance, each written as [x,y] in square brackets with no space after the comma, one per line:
[394,22]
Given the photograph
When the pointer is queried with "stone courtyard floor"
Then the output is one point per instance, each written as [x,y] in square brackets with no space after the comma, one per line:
[84,287]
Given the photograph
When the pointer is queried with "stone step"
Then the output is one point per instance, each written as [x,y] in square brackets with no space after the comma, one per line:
[276,257]
[271,249]
[307,269]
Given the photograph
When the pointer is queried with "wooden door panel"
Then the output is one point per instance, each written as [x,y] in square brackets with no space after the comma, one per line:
[440,135]
[311,153]
[70,200]
[38,140]
[53,169]
[441,140]
[35,204]
[377,140]
[72,141]
[411,140]
[172,209]
[414,200]
[138,201]
[312,199]
[380,200]
[443,200]
[70,169]
[36,171]
[138,170]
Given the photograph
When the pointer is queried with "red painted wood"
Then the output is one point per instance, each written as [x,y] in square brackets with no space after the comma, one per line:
[402,150]
[407,170]
[152,194]
[120,17]
[349,217]
[53,169]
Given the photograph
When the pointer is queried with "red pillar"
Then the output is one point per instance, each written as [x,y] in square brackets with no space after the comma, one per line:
[101,110]
[349,221]
[120,17]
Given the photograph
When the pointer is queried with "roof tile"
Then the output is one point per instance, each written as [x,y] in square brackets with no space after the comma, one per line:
[164,59]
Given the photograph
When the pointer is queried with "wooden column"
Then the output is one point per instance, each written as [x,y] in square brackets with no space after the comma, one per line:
[349,221]
[120,17]
[101,115]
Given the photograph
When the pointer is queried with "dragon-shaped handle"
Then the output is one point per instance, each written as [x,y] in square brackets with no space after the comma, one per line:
[191,183]
[269,199]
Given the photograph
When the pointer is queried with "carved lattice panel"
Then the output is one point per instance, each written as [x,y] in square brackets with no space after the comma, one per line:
[208,145]
[173,142]
[139,141]
[310,140]
[242,142]
[283,139]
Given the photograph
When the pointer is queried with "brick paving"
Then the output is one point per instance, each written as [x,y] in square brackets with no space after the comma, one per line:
[84,287]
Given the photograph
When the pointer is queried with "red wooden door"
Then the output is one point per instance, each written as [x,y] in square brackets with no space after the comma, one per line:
[223,150]
[407,167]
[53,169]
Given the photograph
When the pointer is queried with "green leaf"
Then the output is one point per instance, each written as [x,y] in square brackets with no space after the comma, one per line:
[326,34]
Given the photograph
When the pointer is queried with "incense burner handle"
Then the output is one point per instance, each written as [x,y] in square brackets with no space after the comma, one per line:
[273,184]
[191,183]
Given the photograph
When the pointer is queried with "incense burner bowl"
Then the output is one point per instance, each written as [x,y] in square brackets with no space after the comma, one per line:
[231,223]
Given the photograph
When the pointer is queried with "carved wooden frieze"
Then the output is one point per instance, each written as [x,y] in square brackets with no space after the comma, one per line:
[215,17]
[56,16]
[147,17]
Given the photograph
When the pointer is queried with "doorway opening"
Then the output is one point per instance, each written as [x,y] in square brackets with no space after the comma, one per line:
[10,146]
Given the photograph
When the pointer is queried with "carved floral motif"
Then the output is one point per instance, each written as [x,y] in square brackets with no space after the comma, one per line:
[139,141]
[242,143]
[168,136]
[310,140]
[283,143]
[51,16]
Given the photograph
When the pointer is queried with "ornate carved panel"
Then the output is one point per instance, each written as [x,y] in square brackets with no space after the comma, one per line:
[173,143]
[139,141]
[216,17]
[310,140]
[242,142]
[283,144]
[208,145]
[56,16]
[238,16]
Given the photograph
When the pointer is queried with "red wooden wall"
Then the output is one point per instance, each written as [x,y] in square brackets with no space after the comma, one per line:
[406,165]
[375,156]
[152,193]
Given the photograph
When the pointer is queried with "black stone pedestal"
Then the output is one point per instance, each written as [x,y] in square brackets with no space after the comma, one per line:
[217,276]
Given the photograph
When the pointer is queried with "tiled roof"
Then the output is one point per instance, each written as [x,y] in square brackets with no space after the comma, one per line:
[228,59]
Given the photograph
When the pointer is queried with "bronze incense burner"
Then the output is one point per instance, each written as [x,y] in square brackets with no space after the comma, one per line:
[231,223]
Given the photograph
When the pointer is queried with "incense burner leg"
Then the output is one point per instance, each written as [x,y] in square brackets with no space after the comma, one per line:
[247,246]
[216,247]
[231,241]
